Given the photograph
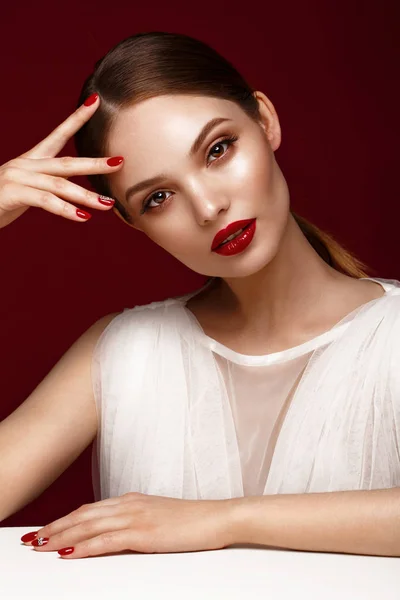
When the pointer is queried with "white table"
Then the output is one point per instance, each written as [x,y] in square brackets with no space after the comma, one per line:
[237,572]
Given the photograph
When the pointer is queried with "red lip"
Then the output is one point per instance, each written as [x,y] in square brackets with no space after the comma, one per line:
[229,230]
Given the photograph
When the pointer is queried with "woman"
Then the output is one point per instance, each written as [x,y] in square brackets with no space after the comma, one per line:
[218,413]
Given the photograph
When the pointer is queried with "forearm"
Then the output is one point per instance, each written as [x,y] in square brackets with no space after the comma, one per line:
[355,522]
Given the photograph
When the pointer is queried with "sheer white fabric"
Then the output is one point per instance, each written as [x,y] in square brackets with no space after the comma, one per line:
[182,415]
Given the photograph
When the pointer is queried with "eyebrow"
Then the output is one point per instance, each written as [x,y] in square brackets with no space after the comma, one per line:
[206,130]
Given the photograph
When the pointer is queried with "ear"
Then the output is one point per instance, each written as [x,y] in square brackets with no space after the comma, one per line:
[119,215]
[269,120]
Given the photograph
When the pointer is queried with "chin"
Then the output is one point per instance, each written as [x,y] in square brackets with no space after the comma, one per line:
[241,265]
[247,269]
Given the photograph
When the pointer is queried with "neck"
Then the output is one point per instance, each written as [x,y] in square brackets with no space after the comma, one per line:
[291,290]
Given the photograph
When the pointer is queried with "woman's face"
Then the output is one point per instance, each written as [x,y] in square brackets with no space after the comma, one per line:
[201,193]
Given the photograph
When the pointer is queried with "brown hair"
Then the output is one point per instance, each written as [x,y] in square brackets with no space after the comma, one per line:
[151,64]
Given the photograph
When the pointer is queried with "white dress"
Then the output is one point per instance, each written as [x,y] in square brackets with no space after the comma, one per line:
[182,415]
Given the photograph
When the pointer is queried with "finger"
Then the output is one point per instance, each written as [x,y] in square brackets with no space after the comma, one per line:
[68,166]
[110,542]
[84,513]
[60,187]
[23,195]
[53,143]
[82,532]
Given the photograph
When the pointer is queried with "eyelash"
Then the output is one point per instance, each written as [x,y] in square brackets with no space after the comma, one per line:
[230,140]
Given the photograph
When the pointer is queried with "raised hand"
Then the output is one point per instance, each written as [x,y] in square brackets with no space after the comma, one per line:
[37,178]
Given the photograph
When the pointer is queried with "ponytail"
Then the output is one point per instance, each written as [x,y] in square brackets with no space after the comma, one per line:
[330,251]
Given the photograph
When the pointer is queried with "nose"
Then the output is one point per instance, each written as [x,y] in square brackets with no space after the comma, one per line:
[208,205]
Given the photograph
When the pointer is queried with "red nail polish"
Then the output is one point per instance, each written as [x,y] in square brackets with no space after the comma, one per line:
[65,551]
[82,214]
[115,161]
[28,537]
[106,201]
[91,99]
[41,541]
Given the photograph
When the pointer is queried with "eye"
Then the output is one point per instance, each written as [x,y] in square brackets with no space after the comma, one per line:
[161,205]
[153,198]
[228,140]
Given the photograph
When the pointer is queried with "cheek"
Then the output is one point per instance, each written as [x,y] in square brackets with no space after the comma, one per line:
[173,236]
[250,173]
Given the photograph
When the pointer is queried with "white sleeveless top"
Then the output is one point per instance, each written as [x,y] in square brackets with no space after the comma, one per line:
[182,415]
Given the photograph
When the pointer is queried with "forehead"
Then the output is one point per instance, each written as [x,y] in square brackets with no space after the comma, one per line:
[166,117]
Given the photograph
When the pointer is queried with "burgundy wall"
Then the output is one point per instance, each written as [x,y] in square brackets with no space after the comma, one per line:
[329,67]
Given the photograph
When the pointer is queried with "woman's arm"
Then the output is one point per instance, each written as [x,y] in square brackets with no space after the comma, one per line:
[354,522]
[51,428]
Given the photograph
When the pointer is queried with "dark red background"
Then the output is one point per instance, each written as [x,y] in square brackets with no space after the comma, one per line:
[328,66]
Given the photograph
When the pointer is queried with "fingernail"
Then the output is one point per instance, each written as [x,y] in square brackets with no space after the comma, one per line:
[91,99]
[106,201]
[28,537]
[115,161]
[40,541]
[65,551]
[82,214]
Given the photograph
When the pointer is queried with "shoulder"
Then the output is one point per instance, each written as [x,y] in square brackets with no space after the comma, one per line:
[380,346]
[100,325]
[134,325]
[137,341]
